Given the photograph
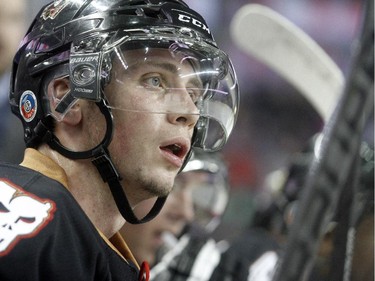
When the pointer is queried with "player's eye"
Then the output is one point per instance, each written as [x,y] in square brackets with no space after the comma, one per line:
[195,94]
[153,82]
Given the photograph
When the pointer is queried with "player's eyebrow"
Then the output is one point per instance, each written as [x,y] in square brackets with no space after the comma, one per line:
[166,66]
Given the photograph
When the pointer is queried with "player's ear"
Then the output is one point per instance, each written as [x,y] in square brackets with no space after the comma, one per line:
[57,89]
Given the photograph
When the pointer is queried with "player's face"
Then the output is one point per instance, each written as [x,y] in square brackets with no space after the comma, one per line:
[154,117]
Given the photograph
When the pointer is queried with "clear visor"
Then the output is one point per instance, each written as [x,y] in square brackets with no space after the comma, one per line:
[177,78]
[158,74]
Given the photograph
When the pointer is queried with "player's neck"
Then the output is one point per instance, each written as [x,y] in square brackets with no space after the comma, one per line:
[95,198]
[91,193]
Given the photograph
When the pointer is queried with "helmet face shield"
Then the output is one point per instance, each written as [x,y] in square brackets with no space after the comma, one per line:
[160,74]
[152,80]
[176,77]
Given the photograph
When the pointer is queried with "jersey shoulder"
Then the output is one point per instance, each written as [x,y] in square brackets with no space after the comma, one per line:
[43,226]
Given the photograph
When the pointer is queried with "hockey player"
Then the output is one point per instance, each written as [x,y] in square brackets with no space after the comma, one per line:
[112,95]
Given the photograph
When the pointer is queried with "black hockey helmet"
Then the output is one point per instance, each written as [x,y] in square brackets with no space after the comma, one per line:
[83,39]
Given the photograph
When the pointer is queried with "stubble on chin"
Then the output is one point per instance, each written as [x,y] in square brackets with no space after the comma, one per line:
[157,189]
[146,186]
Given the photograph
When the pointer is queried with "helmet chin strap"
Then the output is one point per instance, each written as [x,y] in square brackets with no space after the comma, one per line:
[103,163]
[109,174]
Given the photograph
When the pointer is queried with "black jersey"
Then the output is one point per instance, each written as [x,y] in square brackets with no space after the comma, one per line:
[45,235]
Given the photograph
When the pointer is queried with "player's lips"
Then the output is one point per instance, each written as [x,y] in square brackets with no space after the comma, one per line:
[176,150]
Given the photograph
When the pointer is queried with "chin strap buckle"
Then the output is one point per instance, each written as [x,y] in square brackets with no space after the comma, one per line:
[105,167]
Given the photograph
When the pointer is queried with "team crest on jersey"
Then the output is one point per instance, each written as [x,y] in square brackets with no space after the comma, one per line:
[52,10]
[22,215]
[28,106]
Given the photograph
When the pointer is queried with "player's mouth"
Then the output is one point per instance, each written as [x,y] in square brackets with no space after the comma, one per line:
[176,151]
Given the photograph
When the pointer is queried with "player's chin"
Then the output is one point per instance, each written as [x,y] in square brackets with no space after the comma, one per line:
[167,178]
[161,192]
[166,188]
[163,184]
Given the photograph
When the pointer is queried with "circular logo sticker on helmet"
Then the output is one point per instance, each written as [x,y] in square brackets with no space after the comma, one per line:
[28,106]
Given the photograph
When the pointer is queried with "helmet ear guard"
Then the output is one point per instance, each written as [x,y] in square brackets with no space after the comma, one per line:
[84,76]
[84,73]
[85,68]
